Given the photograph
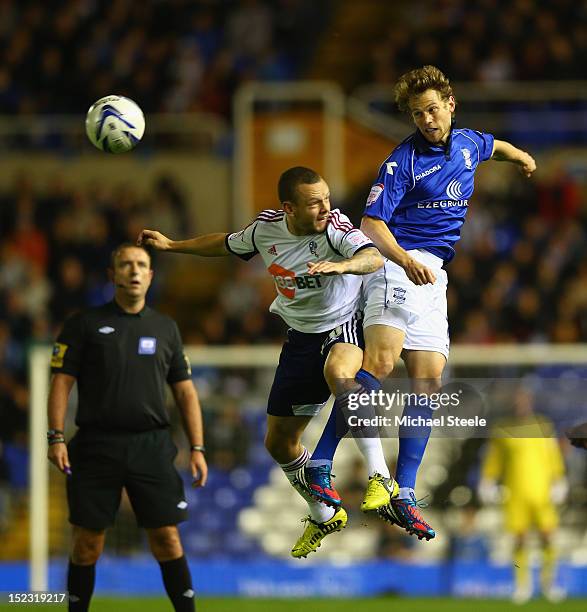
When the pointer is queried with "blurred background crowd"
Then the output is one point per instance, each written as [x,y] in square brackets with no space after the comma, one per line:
[178,55]
[173,55]
[520,274]
[535,42]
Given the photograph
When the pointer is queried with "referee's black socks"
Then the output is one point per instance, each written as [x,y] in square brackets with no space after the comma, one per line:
[178,584]
[80,585]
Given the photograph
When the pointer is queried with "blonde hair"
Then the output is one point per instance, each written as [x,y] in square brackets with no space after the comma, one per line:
[418,81]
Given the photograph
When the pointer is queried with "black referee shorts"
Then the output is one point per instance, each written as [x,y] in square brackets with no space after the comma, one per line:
[103,463]
[299,387]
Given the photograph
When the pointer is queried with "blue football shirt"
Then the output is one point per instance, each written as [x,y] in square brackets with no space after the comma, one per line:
[423,190]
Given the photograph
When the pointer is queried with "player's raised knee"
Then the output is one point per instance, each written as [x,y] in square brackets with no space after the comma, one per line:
[338,373]
[426,385]
[379,363]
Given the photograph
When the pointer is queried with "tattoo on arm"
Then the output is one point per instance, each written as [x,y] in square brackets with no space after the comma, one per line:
[365,261]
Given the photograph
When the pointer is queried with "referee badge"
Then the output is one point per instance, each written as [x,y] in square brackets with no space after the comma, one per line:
[147,346]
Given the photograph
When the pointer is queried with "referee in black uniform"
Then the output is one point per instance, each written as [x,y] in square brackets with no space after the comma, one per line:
[121,355]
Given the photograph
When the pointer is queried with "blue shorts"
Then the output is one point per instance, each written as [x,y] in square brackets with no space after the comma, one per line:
[299,387]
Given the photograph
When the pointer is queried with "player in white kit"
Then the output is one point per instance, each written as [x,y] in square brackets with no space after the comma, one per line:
[316,257]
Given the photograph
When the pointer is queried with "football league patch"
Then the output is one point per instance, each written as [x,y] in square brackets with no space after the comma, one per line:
[147,345]
[58,354]
[374,194]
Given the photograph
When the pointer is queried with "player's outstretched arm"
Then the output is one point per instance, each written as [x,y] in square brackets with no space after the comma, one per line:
[208,245]
[385,241]
[504,151]
[364,262]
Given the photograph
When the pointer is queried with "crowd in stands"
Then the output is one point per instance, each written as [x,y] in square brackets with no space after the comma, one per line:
[59,56]
[519,274]
[489,41]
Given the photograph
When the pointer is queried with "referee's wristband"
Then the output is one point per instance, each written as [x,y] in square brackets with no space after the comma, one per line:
[198,447]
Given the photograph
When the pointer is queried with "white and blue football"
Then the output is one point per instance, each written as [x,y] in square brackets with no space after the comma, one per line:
[115,124]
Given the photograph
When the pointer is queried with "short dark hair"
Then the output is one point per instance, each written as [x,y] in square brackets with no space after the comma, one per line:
[290,179]
[126,245]
[418,81]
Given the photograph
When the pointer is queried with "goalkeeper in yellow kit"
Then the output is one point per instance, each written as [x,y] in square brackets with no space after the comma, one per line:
[524,455]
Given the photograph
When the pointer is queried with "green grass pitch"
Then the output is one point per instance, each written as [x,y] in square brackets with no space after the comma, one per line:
[101,604]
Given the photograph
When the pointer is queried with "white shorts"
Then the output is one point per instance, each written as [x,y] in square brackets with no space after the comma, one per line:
[392,299]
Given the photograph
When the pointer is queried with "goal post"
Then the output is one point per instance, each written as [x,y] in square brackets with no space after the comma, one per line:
[272,133]
[39,360]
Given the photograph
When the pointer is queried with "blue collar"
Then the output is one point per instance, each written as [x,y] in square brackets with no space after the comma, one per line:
[423,146]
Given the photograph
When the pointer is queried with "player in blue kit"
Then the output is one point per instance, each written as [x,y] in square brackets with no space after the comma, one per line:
[414,215]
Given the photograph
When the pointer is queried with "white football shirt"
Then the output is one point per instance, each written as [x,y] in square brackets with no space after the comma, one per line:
[307,303]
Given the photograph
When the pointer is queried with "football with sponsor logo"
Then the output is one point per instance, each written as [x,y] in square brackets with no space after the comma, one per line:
[115,124]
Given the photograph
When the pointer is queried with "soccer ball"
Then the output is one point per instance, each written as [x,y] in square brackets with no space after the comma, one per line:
[115,124]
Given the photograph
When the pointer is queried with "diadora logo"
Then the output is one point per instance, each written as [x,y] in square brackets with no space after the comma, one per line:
[467,157]
[427,172]
[453,190]
[272,250]
[287,282]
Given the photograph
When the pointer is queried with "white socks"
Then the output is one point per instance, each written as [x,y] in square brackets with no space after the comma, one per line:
[318,511]
[372,451]
[406,493]
[319,462]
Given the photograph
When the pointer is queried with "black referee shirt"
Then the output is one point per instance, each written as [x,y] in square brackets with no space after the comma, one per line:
[121,362]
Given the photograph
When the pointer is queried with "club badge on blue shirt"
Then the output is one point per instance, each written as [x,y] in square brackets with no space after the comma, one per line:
[147,345]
